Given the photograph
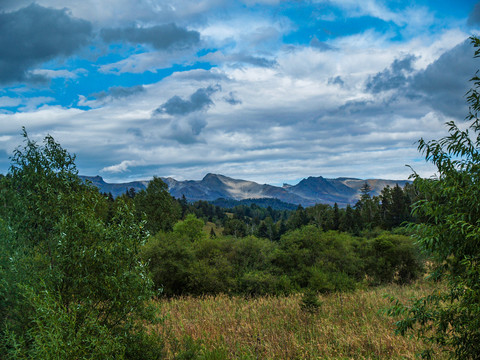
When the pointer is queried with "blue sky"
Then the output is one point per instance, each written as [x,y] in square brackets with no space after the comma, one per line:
[270,91]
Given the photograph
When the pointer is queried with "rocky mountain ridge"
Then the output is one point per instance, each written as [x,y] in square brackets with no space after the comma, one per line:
[308,192]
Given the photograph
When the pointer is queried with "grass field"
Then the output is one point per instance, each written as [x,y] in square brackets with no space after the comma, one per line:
[347,326]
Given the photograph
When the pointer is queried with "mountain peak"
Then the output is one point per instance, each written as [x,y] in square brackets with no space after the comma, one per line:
[214,176]
[309,191]
[97,179]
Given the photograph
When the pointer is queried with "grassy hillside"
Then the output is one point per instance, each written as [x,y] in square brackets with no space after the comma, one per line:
[347,326]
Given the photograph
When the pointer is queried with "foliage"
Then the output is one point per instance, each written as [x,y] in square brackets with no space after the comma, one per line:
[273,203]
[235,227]
[304,259]
[395,206]
[191,228]
[392,258]
[160,208]
[71,283]
[450,232]
[169,260]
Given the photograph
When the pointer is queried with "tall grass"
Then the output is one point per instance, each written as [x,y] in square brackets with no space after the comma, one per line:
[347,326]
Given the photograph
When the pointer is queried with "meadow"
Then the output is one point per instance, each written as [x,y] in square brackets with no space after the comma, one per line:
[346,326]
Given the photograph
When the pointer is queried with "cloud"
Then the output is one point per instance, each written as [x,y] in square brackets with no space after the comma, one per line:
[6,101]
[337,80]
[236,59]
[35,34]
[389,11]
[443,84]
[113,13]
[119,92]
[186,130]
[321,45]
[394,77]
[54,74]
[148,61]
[199,100]
[118,168]
[352,106]
[161,37]
[213,74]
[232,99]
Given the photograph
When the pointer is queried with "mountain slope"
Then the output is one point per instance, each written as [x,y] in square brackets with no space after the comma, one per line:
[214,186]
[115,189]
[326,191]
[307,192]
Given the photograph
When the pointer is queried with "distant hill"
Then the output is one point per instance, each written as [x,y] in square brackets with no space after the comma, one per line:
[308,192]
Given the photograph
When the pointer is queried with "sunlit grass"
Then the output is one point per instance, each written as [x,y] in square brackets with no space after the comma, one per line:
[347,326]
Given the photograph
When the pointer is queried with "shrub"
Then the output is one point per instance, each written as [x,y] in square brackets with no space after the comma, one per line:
[86,271]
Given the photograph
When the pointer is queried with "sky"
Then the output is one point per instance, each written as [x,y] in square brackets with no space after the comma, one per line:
[265,90]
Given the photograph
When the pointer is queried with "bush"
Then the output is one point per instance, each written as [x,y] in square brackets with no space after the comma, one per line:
[393,258]
[169,260]
[74,282]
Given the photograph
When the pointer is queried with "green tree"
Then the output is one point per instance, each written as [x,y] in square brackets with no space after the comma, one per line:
[395,207]
[392,258]
[451,234]
[298,218]
[348,222]
[321,216]
[368,207]
[160,208]
[72,286]
[336,217]
[191,228]
[235,227]
[169,259]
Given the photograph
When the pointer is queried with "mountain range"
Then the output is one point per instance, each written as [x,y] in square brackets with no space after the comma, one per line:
[308,192]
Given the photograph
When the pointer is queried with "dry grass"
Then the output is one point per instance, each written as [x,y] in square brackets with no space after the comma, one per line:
[350,326]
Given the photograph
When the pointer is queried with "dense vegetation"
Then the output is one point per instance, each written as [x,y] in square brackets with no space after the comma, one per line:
[75,265]
[72,286]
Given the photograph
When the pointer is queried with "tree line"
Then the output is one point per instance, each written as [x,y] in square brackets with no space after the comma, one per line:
[252,250]
[389,210]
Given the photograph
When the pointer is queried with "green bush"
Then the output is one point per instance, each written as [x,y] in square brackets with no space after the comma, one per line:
[191,228]
[327,282]
[74,282]
[169,260]
[393,258]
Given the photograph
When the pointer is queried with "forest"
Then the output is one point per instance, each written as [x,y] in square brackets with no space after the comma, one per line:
[83,275]
[200,248]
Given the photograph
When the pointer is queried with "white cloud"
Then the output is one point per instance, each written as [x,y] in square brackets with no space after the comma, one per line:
[54,74]
[149,61]
[6,101]
[118,168]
